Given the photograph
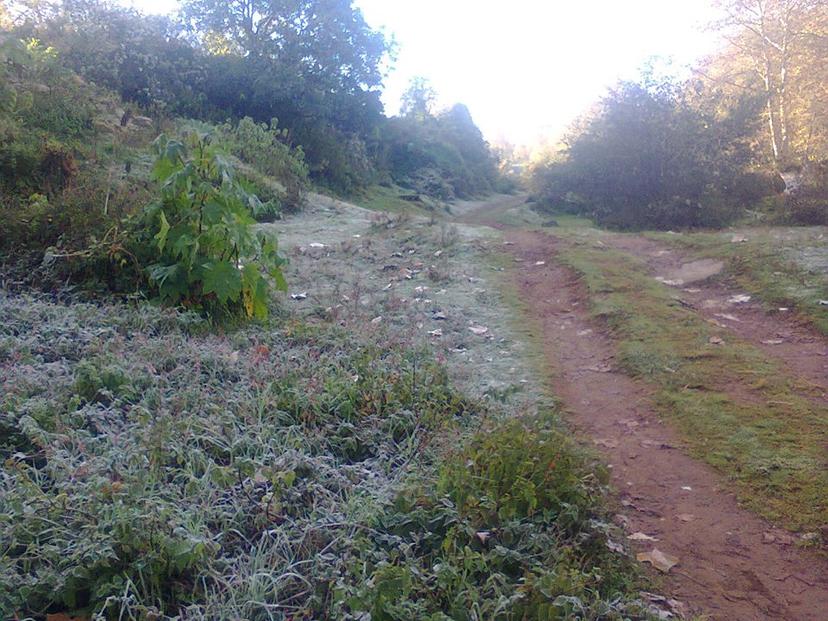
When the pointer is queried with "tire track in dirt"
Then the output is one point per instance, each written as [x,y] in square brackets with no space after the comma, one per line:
[726,568]
[781,336]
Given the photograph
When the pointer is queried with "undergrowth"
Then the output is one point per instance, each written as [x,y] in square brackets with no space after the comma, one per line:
[154,469]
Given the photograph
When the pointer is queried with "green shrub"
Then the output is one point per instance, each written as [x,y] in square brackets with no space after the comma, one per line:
[342,162]
[517,469]
[649,159]
[207,253]
[808,206]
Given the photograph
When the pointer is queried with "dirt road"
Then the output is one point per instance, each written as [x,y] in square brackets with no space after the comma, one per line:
[732,565]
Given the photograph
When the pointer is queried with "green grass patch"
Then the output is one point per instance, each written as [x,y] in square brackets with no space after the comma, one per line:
[388,199]
[509,531]
[736,409]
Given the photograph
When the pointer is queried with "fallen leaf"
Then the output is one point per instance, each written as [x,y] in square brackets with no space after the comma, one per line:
[641,537]
[615,547]
[670,283]
[658,559]
[664,608]
[656,444]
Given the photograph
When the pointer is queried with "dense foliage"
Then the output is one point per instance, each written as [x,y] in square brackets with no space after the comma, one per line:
[63,158]
[314,65]
[77,212]
[443,155]
[262,148]
[649,159]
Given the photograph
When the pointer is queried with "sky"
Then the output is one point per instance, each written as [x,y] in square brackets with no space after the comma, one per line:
[527,68]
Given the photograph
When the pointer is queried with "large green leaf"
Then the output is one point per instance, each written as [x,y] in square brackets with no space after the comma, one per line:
[254,292]
[203,226]
[223,279]
[161,236]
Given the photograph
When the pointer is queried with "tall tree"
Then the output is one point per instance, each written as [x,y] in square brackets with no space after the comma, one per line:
[782,48]
[418,99]
[328,40]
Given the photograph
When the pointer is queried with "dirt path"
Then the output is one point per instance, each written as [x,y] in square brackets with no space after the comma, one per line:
[800,349]
[732,565]
[727,568]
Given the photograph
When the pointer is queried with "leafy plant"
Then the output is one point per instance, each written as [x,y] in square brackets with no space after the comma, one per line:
[209,255]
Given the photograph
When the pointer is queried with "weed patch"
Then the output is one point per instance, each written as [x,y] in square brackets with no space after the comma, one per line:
[511,530]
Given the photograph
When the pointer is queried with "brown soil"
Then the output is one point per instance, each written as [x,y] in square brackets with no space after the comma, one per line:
[732,564]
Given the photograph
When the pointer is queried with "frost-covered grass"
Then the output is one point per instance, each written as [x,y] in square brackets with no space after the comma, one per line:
[317,466]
